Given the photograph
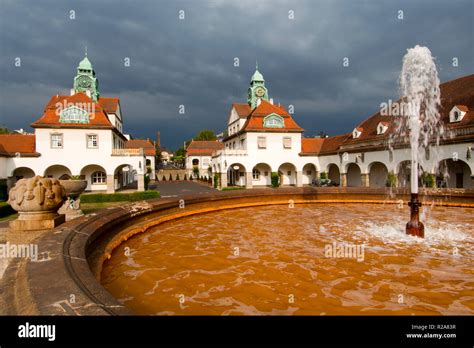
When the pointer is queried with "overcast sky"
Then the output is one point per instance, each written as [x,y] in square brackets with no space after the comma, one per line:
[190,61]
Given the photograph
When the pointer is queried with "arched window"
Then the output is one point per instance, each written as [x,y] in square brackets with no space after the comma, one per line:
[98,178]
[256,174]
[195,162]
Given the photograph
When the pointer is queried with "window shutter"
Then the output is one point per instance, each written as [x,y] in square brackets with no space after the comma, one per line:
[262,142]
[287,142]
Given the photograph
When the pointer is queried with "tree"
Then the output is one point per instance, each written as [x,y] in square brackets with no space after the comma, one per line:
[4,130]
[205,134]
[180,152]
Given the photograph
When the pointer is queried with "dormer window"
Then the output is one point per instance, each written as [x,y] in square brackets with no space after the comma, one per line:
[457,113]
[273,121]
[382,127]
[357,132]
[74,114]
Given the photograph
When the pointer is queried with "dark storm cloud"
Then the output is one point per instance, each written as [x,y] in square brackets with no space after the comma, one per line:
[190,61]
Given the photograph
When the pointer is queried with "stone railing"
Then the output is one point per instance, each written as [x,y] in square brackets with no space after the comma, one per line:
[227,152]
[127,152]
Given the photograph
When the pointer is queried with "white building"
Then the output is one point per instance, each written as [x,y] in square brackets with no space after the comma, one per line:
[80,134]
[263,137]
[199,156]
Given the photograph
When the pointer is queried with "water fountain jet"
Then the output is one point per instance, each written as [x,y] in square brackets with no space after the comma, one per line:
[420,90]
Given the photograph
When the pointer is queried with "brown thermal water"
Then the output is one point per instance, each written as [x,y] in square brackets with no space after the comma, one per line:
[283,261]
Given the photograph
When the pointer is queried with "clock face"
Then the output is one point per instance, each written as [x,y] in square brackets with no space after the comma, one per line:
[260,92]
[84,82]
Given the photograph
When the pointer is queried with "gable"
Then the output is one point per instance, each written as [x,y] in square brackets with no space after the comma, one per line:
[273,121]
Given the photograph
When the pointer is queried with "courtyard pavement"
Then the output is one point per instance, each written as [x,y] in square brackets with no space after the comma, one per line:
[180,188]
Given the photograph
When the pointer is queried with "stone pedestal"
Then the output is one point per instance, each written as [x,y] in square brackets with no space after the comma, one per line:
[141,182]
[30,221]
[223,180]
[248,179]
[110,184]
[71,209]
[365,180]
[36,200]
[343,180]
[299,179]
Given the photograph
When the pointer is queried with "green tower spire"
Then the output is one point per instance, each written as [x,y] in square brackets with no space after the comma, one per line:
[257,89]
[85,80]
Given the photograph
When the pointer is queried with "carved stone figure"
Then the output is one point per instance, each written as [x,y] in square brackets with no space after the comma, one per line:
[36,194]
[37,201]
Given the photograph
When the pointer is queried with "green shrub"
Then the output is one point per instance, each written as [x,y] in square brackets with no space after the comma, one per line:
[323,176]
[233,188]
[6,209]
[216,180]
[118,197]
[275,179]
[391,180]
[3,189]
[147,181]
[428,180]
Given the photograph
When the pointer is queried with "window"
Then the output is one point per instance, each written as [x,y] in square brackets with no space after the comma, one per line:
[195,162]
[273,121]
[74,114]
[456,115]
[98,178]
[309,172]
[289,173]
[93,141]
[266,173]
[57,141]
[287,143]
[262,142]
[256,174]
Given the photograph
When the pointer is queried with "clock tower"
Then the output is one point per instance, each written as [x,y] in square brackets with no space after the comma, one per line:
[85,80]
[257,89]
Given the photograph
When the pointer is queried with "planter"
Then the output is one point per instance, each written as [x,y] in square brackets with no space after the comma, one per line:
[74,188]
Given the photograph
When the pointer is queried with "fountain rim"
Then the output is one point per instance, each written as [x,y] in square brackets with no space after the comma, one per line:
[70,247]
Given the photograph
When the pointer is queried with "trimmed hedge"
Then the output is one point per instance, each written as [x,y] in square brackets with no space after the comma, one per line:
[3,189]
[232,188]
[118,197]
[6,210]
[275,178]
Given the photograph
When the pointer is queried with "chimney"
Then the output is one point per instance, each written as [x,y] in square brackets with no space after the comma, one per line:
[259,101]
[158,140]
[271,101]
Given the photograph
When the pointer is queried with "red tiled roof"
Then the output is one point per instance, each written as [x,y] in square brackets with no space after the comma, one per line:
[458,92]
[97,119]
[242,109]
[110,105]
[462,108]
[255,119]
[203,147]
[146,144]
[332,144]
[311,145]
[11,144]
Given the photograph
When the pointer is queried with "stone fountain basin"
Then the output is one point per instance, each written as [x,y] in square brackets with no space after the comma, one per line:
[73,188]
[76,250]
